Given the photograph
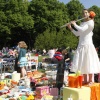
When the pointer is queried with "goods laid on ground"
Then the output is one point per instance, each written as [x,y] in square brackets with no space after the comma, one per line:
[39,86]
[32,87]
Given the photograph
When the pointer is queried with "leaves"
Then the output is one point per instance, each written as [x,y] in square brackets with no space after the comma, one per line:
[55,40]
[38,23]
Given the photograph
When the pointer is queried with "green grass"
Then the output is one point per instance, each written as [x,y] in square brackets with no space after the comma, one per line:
[41,70]
[40,58]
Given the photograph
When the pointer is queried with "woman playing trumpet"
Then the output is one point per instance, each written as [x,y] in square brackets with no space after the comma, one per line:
[85,59]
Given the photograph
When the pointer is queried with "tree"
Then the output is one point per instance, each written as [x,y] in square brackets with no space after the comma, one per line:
[49,40]
[4,29]
[48,14]
[74,9]
[18,21]
[38,23]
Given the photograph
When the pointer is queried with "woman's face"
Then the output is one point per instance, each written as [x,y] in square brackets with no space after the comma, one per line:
[86,13]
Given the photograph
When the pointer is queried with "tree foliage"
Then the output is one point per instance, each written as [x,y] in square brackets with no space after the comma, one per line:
[16,21]
[96,31]
[74,9]
[38,23]
[55,40]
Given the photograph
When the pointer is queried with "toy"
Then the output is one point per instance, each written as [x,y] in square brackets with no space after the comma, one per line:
[2,85]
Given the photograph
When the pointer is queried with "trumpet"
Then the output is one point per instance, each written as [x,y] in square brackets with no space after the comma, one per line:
[75,21]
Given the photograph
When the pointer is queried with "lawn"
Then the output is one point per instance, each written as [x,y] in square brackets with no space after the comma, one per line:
[40,58]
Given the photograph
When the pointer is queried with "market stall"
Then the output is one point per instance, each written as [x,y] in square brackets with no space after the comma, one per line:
[40,86]
[32,61]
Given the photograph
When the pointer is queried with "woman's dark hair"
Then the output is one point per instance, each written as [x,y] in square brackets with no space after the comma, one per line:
[59,50]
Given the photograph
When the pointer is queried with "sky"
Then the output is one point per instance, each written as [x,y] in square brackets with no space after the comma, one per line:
[86,3]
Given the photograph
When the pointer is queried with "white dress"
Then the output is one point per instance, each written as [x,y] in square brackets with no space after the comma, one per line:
[86,58]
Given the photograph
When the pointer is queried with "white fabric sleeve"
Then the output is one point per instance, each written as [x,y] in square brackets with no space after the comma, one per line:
[81,28]
[76,33]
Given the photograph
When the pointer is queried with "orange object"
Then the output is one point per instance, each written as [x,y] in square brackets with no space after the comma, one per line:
[92,14]
[38,97]
[73,81]
[80,80]
[14,82]
[29,74]
[35,72]
[1,85]
[95,91]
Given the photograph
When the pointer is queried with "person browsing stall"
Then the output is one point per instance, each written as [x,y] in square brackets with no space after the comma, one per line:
[22,60]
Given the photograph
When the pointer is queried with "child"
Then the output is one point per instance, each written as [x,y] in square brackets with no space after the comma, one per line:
[22,60]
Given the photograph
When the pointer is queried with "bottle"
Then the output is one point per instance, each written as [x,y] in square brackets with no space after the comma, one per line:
[70,98]
[27,82]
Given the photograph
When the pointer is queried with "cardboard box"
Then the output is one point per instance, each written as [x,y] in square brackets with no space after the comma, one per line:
[83,93]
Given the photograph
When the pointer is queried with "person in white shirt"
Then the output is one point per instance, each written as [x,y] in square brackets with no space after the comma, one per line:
[51,53]
[86,58]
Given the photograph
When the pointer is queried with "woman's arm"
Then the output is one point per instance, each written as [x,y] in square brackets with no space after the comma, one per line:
[80,28]
[76,33]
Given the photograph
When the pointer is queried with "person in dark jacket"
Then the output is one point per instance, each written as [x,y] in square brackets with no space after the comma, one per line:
[59,55]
